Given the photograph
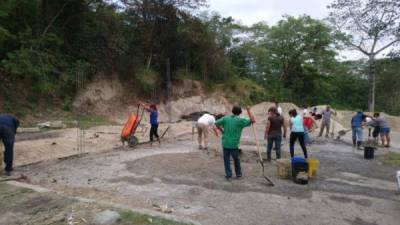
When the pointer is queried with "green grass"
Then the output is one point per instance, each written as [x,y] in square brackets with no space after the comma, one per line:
[390,159]
[128,218]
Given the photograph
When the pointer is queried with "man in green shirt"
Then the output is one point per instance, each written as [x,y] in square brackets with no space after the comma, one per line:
[232,126]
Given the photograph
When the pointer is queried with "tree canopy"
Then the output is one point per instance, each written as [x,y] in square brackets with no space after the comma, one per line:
[45,44]
[370,27]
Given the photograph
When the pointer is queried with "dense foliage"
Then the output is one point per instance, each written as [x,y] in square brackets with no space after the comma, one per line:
[44,44]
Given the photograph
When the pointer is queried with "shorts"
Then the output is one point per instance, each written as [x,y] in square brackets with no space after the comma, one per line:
[384,130]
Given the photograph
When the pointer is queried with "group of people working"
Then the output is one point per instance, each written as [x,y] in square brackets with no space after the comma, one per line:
[231,126]
[300,125]
[377,123]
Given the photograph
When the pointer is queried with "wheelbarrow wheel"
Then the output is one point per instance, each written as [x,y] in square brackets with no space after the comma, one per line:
[133,141]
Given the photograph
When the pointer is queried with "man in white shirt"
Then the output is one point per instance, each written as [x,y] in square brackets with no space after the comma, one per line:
[204,123]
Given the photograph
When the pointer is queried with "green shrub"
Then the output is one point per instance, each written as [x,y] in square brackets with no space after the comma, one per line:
[146,80]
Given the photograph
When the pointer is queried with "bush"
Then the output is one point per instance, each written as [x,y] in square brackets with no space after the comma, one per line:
[146,81]
[244,91]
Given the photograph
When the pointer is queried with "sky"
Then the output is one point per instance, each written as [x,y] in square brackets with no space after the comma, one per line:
[270,11]
[249,12]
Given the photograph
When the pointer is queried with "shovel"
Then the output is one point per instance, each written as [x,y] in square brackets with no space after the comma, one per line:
[342,133]
[269,182]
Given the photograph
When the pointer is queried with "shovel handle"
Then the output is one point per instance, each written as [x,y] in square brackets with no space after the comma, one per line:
[256,140]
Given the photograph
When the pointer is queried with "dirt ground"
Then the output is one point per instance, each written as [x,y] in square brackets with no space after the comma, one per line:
[23,204]
[190,182]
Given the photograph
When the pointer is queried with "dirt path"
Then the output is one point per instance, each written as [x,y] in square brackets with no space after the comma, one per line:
[348,190]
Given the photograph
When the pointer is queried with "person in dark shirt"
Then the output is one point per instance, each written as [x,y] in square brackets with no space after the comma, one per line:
[8,128]
[384,129]
[273,132]
[152,109]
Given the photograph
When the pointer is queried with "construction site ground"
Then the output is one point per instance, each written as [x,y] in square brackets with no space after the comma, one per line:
[188,184]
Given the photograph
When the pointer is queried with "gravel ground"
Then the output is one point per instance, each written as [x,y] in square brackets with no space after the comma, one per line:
[178,176]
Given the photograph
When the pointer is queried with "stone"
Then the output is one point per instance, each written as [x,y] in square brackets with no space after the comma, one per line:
[107,217]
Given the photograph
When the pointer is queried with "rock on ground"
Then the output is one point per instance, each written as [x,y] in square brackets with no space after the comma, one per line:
[107,217]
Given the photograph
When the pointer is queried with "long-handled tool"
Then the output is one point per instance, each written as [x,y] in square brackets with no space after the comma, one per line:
[164,132]
[342,133]
[270,183]
[161,137]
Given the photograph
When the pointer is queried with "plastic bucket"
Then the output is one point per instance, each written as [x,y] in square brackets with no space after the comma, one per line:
[313,165]
[283,167]
[369,152]
[299,164]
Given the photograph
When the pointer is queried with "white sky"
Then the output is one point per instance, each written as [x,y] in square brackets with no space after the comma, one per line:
[249,12]
[271,11]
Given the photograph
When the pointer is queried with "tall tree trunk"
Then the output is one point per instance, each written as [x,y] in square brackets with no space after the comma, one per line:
[372,83]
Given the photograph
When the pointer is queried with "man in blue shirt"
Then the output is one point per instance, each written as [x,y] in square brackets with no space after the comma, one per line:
[356,126]
[8,129]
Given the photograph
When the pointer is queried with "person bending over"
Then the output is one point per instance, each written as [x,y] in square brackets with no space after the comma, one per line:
[8,128]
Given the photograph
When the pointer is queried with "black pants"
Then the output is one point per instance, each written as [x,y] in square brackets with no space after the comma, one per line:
[8,137]
[153,132]
[293,137]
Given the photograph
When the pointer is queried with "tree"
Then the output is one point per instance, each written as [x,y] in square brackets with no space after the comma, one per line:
[300,51]
[388,82]
[370,27]
[156,23]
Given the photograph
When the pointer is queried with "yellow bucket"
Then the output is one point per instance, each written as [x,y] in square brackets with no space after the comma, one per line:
[313,165]
[283,166]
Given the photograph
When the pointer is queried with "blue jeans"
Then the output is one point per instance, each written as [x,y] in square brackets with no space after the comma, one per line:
[8,137]
[270,143]
[307,139]
[227,162]
[357,133]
